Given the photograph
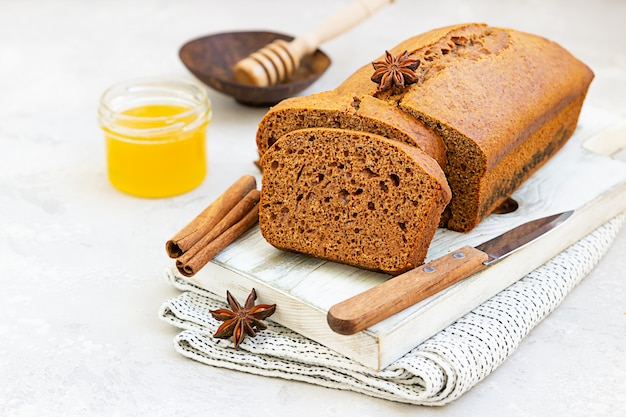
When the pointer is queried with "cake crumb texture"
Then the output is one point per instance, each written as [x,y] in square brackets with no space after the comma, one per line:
[352,197]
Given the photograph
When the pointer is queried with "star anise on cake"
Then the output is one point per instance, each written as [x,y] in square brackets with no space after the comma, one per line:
[396,71]
[241,321]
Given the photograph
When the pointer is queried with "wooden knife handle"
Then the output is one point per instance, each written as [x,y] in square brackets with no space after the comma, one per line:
[396,294]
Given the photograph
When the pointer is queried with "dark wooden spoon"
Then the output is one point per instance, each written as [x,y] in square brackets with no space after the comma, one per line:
[212,58]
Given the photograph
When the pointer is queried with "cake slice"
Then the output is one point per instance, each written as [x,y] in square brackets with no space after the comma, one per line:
[351,197]
[348,111]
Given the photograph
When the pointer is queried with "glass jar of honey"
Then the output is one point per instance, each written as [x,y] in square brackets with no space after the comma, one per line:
[155,132]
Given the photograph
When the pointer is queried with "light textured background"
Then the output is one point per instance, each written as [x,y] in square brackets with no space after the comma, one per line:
[81,265]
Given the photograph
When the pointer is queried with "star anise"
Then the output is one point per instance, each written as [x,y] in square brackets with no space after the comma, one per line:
[241,321]
[395,71]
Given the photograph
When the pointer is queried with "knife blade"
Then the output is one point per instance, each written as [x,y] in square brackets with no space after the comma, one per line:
[394,295]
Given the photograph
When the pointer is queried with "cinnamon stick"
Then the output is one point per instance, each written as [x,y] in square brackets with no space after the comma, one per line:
[189,265]
[232,217]
[209,217]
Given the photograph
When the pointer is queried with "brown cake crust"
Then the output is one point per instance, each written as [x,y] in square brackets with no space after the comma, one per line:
[516,99]
[351,197]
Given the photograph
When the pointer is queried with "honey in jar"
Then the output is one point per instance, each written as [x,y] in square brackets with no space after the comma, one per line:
[155,133]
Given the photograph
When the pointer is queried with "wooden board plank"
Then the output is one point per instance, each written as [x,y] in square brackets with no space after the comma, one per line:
[305,288]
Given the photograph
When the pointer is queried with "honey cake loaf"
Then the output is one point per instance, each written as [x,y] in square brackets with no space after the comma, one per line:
[503,101]
[348,111]
[351,197]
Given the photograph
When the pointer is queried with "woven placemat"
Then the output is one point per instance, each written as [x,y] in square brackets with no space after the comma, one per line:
[436,372]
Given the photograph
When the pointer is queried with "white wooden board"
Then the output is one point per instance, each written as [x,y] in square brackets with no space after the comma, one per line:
[304,288]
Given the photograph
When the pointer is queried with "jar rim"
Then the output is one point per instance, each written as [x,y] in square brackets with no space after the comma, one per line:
[139,92]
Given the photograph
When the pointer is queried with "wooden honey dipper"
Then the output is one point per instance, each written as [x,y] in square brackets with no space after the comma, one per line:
[278,60]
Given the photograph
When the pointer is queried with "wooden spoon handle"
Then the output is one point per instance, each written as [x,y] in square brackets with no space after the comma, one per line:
[341,21]
[277,61]
[396,294]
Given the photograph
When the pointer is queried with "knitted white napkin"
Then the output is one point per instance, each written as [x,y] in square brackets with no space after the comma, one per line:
[434,373]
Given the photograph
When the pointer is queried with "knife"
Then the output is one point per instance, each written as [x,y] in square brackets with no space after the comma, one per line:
[394,295]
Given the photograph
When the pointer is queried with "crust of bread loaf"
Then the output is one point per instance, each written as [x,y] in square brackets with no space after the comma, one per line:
[502,90]
[351,197]
[503,111]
